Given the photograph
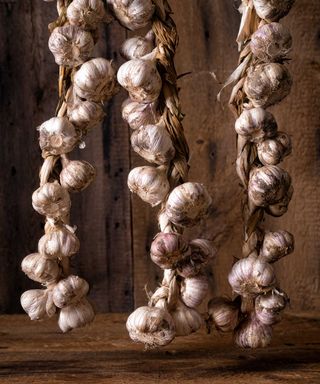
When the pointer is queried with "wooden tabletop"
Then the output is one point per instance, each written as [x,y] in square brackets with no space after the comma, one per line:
[36,352]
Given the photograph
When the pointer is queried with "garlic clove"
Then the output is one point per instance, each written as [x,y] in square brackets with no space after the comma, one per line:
[272,10]
[69,291]
[137,46]
[86,13]
[39,268]
[149,183]
[77,175]
[269,306]
[186,320]
[151,326]
[224,314]
[194,290]
[34,303]
[187,204]
[138,115]
[76,315]
[276,245]
[251,333]
[273,151]
[85,115]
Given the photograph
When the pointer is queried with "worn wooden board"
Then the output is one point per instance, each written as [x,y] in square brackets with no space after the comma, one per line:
[103,353]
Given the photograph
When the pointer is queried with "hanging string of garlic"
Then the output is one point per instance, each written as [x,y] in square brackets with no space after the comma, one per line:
[262,80]
[154,115]
[84,85]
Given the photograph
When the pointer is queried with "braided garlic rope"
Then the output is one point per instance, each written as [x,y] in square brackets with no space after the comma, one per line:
[262,81]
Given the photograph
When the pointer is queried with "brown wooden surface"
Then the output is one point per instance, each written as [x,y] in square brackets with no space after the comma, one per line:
[103,353]
[115,229]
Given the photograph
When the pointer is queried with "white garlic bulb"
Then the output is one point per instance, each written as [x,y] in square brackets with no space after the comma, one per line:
[194,290]
[149,183]
[51,200]
[269,306]
[251,276]
[96,80]
[251,333]
[273,151]
[76,315]
[70,45]
[187,204]
[186,320]
[34,303]
[268,185]
[256,124]
[69,291]
[267,84]
[139,114]
[137,46]
[272,10]
[39,268]
[141,79]
[153,143]
[132,14]
[77,175]
[224,314]
[85,115]
[271,42]
[86,13]
[151,326]
[276,245]
[58,136]
[58,242]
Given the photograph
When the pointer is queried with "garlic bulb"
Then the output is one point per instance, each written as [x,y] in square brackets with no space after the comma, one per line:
[139,114]
[39,268]
[85,115]
[251,333]
[186,320]
[69,291]
[268,185]
[271,42]
[187,204]
[58,242]
[276,245]
[70,45]
[96,80]
[51,200]
[86,13]
[167,249]
[137,46]
[77,175]
[132,14]
[34,303]
[76,315]
[272,10]
[149,183]
[267,84]
[224,313]
[256,124]
[194,290]
[251,276]
[202,250]
[273,151]
[57,136]
[141,79]
[269,306]
[153,143]
[281,207]
[151,326]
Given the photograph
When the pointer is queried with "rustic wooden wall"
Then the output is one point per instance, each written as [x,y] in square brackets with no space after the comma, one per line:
[116,229]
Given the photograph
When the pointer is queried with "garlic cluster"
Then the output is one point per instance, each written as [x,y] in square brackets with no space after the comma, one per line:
[86,13]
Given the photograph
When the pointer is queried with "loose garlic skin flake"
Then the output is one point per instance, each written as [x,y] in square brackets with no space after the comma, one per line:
[138,115]
[76,315]
[69,291]
[86,13]
[137,46]
[70,45]
[40,269]
[272,10]
[96,80]
[77,175]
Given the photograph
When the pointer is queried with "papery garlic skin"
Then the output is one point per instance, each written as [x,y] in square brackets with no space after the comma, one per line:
[273,151]
[276,245]
[194,290]
[132,14]
[272,10]
[267,84]
[137,46]
[138,115]
[70,45]
[51,200]
[86,13]
[77,175]
[149,183]
[251,333]
[76,315]
[151,326]
[58,136]
[85,115]
[271,42]
[269,306]
[186,320]
[153,143]
[69,291]
[224,314]
[141,79]
[251,276]
[96,80]
[34,303]
[187,204]
[40,269]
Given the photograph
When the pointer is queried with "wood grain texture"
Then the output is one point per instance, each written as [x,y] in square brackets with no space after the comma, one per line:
[103,354]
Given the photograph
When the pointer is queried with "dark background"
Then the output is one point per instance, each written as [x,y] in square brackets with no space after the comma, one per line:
[115,228]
